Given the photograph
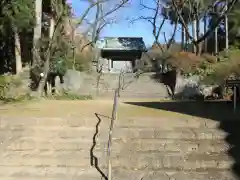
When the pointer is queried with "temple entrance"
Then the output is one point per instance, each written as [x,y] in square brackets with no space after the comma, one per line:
[121,54]
[118,65]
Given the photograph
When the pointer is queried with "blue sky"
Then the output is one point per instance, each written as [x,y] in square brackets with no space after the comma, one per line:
[123,27]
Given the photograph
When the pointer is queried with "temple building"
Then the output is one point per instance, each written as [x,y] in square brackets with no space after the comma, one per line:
[120,53]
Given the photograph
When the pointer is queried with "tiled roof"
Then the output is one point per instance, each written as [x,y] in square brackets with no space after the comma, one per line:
[122,43]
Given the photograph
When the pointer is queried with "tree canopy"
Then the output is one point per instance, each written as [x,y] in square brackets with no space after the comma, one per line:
[19,14]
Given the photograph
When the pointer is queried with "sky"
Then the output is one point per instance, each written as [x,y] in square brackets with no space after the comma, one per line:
[123,26]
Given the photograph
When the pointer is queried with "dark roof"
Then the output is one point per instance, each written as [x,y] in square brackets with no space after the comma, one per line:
[123,43]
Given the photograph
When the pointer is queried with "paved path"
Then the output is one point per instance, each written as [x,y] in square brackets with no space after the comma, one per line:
[67,140]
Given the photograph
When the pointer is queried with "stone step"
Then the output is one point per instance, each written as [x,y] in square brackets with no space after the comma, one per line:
[119,145]
[168,145]
[47,158]
[131,161]
[171,161]
[57,144]
[47,173]
[133,95]
[81,133]
[177,134]
[72,120]
[119,174]
[167,123]
[67,173]
[91,122]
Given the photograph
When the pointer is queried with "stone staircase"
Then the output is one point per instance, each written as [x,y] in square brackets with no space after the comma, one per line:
[142,87]
[171,149]
[73,148]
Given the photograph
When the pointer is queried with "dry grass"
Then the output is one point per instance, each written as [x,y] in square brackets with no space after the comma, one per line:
[52,108]
[131,108]
[188,62]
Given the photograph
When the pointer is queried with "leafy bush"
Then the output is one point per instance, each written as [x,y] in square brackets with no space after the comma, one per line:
[229,65]
[190,64]
[6,82]
[82,61]
[4,85]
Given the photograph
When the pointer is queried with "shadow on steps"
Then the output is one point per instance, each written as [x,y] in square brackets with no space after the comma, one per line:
[220,111]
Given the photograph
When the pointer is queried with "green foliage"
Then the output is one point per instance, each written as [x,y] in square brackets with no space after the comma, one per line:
[6,82]
[234,24]
[229,65]
[4,86]
[189,64]
[19,14]
[60,8]
[21,98]
[81,62]
[58,65]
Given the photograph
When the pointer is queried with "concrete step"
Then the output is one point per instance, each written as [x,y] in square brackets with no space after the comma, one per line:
[131,161]
[172,161]
[109,95]
[86,135]
[119,146]
[69,173]
[123,146]
[81,133]
[70,121]
[177,134]
[48,157]
[74,122]
[167,123]
[56,144]
[142,148]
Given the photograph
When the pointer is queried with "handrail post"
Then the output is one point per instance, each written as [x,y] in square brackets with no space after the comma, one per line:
[113,118]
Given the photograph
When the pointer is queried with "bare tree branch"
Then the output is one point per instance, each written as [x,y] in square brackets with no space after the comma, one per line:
[100,22]
[86,12]
[221,17]
[154,21]
[169,43]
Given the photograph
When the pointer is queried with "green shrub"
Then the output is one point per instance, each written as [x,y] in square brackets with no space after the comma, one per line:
[227,66]
[21,98]
[4,85]
[82,62]
[190,64]
[8,82]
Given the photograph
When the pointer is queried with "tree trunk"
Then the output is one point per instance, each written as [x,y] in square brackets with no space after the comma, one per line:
[73,47]
[44,78]
[226,29]
[216,40]
[205,30]
[183,37]
[186,40]
[47,60]
[194,32]
[18,57]
[199,48]
[37,30]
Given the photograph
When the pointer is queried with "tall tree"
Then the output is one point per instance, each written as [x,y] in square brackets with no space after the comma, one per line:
[230,4]
[18,17]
